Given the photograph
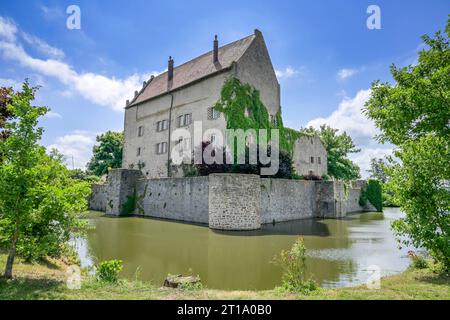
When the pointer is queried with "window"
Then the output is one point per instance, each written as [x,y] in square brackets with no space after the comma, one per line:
[248,112]
[184,120]
[213,114]
[140,131]
[319,161]
[138,152]
[162,125]
[161,147]
[312,159]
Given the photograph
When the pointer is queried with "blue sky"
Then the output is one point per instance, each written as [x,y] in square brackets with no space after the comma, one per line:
[324,54]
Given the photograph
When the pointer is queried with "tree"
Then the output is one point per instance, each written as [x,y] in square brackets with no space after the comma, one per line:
[413,113]
[378,170]
[5,114]
[338,147]
[40,205]
[108,154]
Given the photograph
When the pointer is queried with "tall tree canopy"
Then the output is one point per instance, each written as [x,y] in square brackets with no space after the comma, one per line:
[338,146]
[414,114]
[107,154]
[40,205]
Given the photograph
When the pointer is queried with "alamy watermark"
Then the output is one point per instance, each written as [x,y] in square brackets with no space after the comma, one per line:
[233,146]
[74,19]
[374,20]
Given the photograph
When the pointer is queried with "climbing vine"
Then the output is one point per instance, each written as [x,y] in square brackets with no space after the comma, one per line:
[243,109]
[372,192]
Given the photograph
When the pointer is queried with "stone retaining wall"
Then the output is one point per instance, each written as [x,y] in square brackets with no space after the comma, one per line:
[225,201]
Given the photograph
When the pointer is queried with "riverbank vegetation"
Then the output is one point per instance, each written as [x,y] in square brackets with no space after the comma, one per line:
[47,280]
[413,114]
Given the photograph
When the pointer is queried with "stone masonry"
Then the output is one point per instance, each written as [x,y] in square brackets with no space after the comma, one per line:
[225,201]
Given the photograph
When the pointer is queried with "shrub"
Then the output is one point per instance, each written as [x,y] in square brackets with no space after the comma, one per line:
[108,271]
[417,262]
[293,263]
[372,192]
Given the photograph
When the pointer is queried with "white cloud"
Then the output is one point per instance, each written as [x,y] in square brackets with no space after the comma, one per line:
[43,46]
[77,146]
[344,74]
[348,117]
[16,85]
[97,88]
[53,115]
[288,72]
[363,158]
[8,29]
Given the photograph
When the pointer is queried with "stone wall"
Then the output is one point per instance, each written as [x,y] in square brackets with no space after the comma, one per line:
[183,199]
[234,201]
[225,201]
[284,200]
[97,200]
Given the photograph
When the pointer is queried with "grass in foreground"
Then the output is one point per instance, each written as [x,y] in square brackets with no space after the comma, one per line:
[47,281]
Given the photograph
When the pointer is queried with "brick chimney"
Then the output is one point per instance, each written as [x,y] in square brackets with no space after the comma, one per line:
[216,50]
[170,69]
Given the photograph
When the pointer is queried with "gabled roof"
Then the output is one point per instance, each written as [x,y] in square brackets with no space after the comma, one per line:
[194,70]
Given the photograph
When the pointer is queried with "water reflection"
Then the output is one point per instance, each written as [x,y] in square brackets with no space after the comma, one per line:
[339,250]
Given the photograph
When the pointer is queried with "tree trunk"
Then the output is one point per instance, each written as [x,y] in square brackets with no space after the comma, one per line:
[11,256]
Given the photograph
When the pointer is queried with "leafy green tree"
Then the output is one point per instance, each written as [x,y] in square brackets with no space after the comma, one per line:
[108,154]
[338,147]
[40,205]
[413,113]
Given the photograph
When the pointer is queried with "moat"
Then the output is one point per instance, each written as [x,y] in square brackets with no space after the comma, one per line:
[339,251]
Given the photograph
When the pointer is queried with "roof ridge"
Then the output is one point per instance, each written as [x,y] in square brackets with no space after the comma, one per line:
[193,60]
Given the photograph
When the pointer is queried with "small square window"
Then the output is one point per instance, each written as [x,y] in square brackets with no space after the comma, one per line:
[161,148]
[213,114]
[312,159]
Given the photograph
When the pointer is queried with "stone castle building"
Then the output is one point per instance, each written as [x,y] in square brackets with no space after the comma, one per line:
[188,92]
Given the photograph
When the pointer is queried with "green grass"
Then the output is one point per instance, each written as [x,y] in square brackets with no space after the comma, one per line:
[47,281]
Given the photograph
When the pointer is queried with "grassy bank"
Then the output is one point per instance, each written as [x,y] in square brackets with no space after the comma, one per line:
[47,281]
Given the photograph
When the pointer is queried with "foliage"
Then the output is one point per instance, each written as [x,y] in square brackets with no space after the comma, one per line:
[293,263]
[243,109]
[421,185]
[108,271]
[40,205]
[413,113]
[6,94]
[417,262]
[372,192]
[338,147]
[130,204]
[285,169]
[107,154]
[80,174]
[379,171]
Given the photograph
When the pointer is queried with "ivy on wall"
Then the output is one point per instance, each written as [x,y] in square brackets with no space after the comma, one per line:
[372,192]
[243,109]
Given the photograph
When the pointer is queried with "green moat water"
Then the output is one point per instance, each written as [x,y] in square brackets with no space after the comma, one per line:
[339,251]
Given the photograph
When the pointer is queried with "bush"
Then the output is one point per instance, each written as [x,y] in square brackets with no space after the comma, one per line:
[417,262]
[108,271]
[293,263]
[372,193]
[285,169]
